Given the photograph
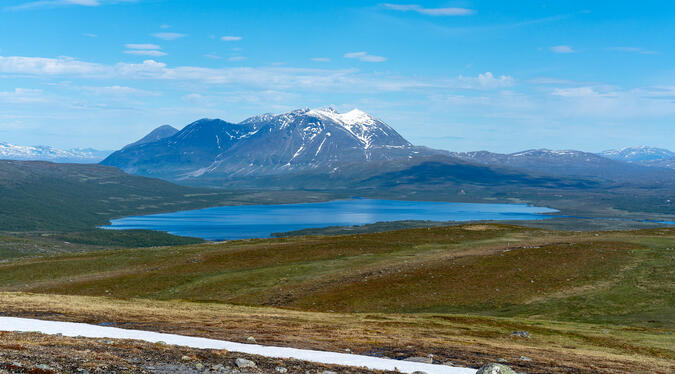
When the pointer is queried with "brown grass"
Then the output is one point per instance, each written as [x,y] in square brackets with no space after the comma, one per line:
[467,340]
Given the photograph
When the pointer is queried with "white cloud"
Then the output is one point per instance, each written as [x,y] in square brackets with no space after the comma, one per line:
[144,52]
[164,26]
[430,11]
[230,38]
[212,56]
[237,58]
[486,81]
[320,59]
[562,49]
[169,35]
[364,56]
[142,46]
[48,66]
[90,35]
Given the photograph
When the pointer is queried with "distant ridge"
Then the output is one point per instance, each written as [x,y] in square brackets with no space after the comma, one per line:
[568,163]
[48,153]
[307,148]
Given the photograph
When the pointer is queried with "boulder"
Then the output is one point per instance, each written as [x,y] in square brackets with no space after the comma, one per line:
[495,369]
[244,363]
[522,334]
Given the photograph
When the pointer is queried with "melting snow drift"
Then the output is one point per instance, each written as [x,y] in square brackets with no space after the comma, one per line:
[92,331]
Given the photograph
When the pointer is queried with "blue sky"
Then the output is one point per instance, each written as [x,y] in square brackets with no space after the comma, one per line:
[458,75]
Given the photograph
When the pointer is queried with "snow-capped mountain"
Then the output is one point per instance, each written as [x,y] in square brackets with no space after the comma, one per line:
[267,144]
[639,153]
[47,153]
[643,155]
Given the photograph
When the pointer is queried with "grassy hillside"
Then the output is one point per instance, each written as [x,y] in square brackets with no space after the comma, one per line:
[499,270]
[466,340]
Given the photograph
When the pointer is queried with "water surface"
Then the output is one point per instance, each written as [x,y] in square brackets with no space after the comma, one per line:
[259,221]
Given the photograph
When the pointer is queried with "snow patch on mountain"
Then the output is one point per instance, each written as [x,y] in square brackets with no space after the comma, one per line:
[639,153]
[47,153]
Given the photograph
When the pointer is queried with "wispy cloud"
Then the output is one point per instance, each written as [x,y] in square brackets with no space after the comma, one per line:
[364,56]
[429,11]
[169,35]
[230,38]
[641,51]
[144,49]
[118,91]
[237,58]
[59,3]
[145,52]
[562,49]
[90,35]
[142,46]
[320,59]
[22,96]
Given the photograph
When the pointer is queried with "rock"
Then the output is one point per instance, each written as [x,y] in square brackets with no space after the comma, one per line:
[522,334]
[525,358]
[244,363]
[495,369]
[502,360]
[419,372]
[218,367]
[199,366]
[426,360]
[185,358]
[44,367]
[327,372]
[281,369]
[250,339]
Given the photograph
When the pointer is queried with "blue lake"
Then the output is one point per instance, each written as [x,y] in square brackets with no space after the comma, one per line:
[259,221]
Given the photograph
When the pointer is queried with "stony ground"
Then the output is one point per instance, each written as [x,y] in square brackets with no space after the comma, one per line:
[43,354]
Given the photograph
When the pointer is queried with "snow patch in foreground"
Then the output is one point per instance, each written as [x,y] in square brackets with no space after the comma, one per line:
[333,358]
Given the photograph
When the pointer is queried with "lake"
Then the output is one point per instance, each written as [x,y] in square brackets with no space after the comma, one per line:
[259,221]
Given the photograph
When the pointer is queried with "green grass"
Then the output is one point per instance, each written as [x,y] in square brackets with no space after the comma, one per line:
[499,270]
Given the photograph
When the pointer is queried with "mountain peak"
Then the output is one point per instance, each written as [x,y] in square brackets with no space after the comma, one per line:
[267,144]
[160,132]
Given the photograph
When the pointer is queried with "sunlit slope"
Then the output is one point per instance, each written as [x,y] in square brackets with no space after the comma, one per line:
[488,269]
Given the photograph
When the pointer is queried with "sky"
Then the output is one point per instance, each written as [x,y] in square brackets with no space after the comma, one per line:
[459,75]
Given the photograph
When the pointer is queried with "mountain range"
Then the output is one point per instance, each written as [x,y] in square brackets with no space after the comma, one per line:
[268,144]
[47,153]
[321,147]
